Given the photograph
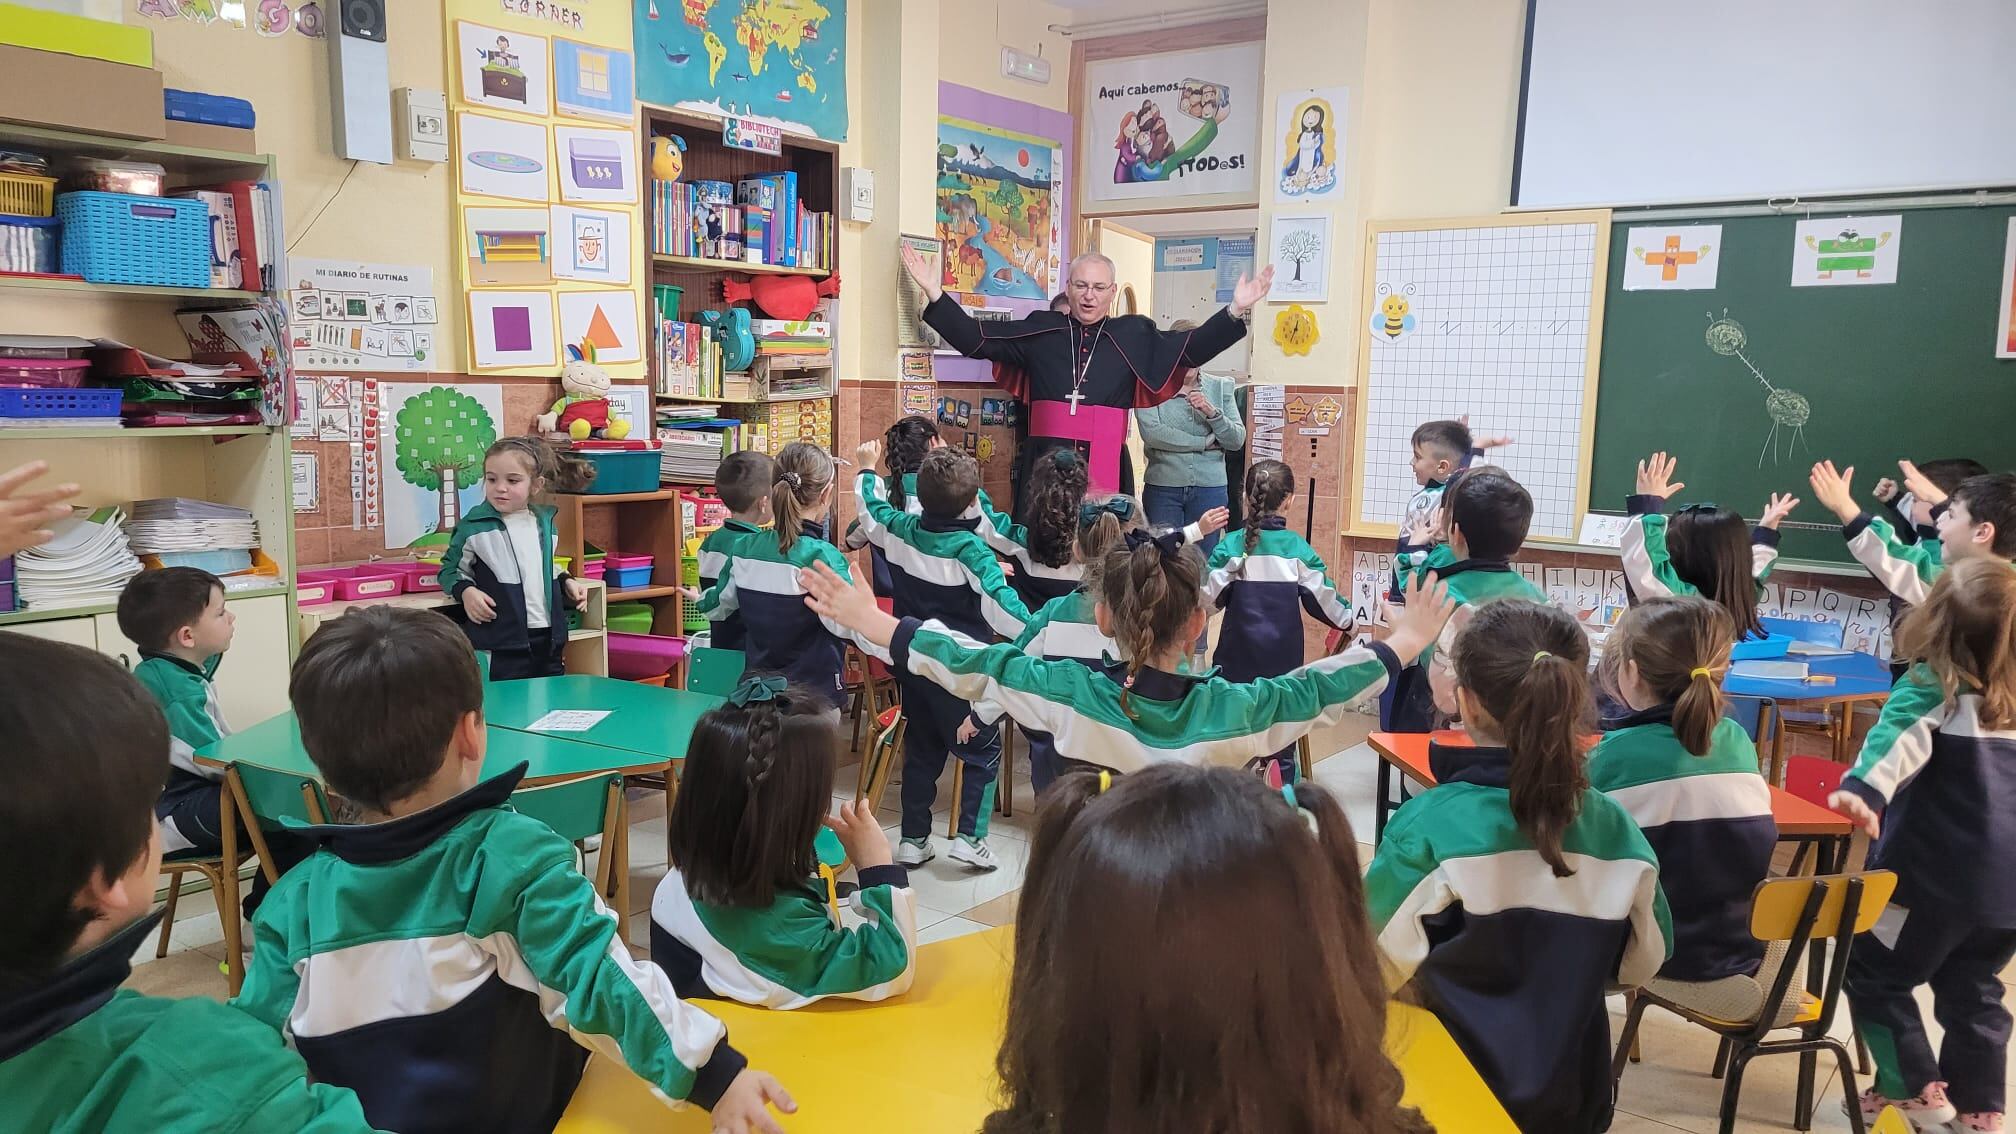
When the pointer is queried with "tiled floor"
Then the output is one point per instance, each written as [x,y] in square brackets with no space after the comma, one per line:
[1670,1091]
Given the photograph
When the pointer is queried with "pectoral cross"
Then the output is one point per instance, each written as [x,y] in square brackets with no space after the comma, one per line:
[1074,399]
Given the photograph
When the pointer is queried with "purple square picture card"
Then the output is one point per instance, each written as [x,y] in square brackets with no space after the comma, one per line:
[511,328]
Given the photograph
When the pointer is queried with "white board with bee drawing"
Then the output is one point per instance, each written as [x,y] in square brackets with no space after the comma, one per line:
[1498,318]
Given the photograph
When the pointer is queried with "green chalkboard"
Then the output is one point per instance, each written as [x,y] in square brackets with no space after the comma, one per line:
[1888,371]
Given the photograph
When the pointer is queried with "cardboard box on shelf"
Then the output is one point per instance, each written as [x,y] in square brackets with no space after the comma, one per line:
[43,30]
[69,92]
[203,136]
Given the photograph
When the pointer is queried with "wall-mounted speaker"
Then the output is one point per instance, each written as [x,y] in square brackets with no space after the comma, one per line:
[360,82]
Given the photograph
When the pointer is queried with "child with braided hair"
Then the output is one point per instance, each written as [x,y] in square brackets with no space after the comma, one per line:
[745,912]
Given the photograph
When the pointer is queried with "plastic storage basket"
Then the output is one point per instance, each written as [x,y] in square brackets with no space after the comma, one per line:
[26,195]
[122,238]
[38,401]
[624,470]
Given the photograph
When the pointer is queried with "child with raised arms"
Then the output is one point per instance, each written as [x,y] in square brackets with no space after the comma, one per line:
[1511,895]
[1978,521]
[744,914]
[1701,549]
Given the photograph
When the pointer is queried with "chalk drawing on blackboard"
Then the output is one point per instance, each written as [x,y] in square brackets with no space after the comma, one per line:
[1788,411]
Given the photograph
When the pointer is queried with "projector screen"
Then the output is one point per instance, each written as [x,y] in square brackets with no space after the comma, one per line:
[1642,102]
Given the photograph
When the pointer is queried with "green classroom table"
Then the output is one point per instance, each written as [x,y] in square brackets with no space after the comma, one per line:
[276,743]
[643,719]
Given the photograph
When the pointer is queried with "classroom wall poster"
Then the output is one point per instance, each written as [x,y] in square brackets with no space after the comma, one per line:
[1299,249]
[349,315]
[437,436]
[1847,251]
[543,199]
[997,196]
[2005,329]
[1308,143]
[779,61]
[1180,124]
[1673,258]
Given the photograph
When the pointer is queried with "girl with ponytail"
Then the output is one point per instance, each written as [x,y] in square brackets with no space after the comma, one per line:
[1510,895]
[759,588]
[1042,543]
[1145,708]
[1106,1035]
[746,913]
[1688,775]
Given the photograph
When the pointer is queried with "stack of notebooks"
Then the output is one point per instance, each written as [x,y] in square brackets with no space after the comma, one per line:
[86,564]
[180,532]
[690,456]
[777,338]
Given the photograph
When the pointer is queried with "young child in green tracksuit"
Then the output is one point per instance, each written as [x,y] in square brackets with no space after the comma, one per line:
[904,447]
[744,481]
[87,751]
[1977,521]
[1699,550]
[442,956]
[1487,514]
[745,913]
[1144,708]
[1512,894]
[179,620]
[499,564]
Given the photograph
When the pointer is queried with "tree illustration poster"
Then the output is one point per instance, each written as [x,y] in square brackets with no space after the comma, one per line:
[435,436]
[997,209]
[1300,253]
[780,61]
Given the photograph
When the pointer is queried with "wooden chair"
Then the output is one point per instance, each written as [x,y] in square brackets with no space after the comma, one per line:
[883,755]
[874,689]
[579,809]
[1797,912]
[1004,783]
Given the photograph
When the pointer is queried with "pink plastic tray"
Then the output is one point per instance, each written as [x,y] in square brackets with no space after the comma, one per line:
[43,371]
[370,581]
[614,562]
[419,577]
[314,592]
[633,657]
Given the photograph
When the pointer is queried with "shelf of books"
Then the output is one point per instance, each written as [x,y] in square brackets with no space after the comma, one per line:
[744,270]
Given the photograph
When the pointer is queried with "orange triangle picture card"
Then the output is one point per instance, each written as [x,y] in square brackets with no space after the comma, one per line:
[604,319]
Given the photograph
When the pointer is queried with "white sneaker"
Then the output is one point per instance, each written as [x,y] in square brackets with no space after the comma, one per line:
[974,853]
[591,844]
[913,853]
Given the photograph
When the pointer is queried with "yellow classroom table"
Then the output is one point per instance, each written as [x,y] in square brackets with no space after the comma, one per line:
[925,1061]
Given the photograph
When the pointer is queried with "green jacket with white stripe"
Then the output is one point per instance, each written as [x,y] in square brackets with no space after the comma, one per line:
[717,551]
[1945,783]
[1187,718]
[1511,959]
[939,568]
[1263,590]
[188,696]
[1907,570]
[793,952]
[782,634]
[454,969]
[1648,565]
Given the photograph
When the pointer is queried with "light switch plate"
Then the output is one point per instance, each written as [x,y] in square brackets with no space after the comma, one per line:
[857,189]
[422,123]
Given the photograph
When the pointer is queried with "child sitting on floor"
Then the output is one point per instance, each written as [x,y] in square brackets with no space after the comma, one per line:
[442,956]
[744,914]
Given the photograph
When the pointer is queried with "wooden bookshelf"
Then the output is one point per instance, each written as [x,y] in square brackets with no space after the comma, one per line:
[668,264]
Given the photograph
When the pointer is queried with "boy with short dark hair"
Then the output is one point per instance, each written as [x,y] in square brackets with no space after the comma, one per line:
[744,481]
[178,618]
[86,755]
[941,568]
[1440,449]
[1977,521]
[443,957]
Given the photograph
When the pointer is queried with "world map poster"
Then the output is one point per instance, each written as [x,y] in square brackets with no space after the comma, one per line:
[997,216]
[779,61]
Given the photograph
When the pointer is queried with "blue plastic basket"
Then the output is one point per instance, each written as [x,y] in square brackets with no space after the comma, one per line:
[123,238]
[54,401]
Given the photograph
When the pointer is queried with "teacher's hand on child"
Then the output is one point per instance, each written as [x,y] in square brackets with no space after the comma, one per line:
[478,606]
[861,834]
[22,518]
[1214,520]
[1919,485]
[745,1106]
[1655,476]
[920,271]
[852,605]
[1856,810]
[1780,507]
[577,591]
[1835,490]
[1420,622]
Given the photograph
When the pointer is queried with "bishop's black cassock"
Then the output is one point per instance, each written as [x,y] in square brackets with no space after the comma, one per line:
[1126,361]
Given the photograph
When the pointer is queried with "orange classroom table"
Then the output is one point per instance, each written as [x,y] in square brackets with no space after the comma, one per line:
[1799,821]
[925,1060]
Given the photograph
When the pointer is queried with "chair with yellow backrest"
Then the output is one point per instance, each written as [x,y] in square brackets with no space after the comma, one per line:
[1891,1121]
[1798,912]
[578,810]
[882,758]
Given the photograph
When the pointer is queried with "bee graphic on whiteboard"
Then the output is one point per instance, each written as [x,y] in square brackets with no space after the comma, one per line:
[1394,317]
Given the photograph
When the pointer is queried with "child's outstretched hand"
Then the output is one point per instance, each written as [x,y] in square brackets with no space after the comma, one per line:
[1885,491]
[1496,441]
[861,834]
[1919,485]
[745,1106]
[868,456]
[1835,490]
[852,605]
[1420,622]
[478,606]
[1780,507]
[1856,810]
[22,517]
[1655,477]
[1214,520]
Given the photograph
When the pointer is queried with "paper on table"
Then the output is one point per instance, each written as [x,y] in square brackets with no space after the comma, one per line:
[569,720]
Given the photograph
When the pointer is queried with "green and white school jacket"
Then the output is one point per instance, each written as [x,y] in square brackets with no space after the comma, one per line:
[1648,565]
[1907,570]
[1175,717]
[793,952]
[187,694]
[454,969]
[1514,961]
